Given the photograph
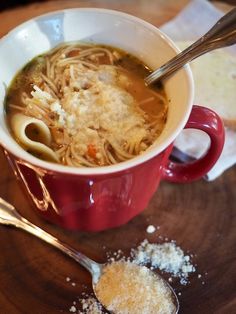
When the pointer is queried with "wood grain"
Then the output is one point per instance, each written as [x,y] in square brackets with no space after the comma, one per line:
[199,216]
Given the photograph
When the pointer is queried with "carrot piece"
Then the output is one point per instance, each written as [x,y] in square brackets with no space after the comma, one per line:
[92,151]
[73,53]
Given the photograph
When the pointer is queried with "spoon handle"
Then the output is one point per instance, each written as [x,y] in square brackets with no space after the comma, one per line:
[222,34]
[9,216]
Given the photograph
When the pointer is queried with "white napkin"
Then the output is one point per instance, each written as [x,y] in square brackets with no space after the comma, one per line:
[190,24]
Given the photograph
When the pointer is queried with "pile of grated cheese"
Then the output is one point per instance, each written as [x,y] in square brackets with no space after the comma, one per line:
[166,256]
[94,98]
[127,288]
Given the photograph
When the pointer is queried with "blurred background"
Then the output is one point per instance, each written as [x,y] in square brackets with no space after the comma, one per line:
[5,4]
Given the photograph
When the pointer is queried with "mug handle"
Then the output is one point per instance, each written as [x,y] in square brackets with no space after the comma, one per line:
[208,121]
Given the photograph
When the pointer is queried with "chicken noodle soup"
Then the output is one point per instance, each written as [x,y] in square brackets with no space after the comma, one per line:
[85,105]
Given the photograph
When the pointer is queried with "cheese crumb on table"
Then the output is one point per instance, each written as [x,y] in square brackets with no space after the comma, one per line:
[73,309]
[150,229]
[127,288]
[87,305]
[91,306]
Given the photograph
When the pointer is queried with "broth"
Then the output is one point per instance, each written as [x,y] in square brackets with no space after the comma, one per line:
[92,99]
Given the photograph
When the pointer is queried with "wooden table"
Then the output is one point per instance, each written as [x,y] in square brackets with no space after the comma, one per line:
[199,216]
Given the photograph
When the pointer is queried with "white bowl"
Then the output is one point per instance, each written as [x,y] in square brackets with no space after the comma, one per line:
[114,28]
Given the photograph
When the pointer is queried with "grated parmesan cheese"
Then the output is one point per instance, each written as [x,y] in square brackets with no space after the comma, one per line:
[73,309]
[42,95]
[167,257]
[126,288]
[150,229]
[92,100]
[90,306]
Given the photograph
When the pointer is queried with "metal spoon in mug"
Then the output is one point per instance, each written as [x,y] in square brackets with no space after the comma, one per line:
[9,216]
[222,34]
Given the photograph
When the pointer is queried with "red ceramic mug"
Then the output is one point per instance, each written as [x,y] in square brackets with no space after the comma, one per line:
[94,199]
